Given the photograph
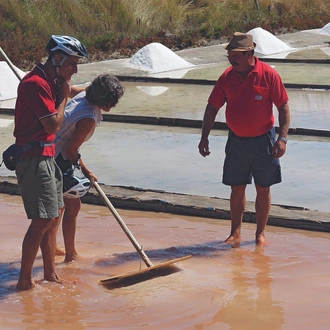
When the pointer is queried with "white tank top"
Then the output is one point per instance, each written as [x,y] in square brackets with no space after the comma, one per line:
[76,109]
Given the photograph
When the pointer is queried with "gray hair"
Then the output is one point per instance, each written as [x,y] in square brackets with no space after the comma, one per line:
[104,91]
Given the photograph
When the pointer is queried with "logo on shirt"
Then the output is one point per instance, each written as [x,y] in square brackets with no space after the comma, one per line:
[258,97]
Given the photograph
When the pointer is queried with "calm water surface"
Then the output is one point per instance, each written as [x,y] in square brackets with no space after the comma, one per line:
[167,158]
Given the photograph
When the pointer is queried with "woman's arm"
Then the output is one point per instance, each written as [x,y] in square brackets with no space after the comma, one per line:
[83,129]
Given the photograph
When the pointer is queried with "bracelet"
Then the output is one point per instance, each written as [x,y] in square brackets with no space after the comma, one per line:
[281,138]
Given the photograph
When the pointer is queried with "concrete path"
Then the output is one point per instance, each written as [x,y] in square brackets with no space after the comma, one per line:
[192,205]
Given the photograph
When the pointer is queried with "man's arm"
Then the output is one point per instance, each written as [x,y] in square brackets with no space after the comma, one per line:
[208,121]
[284,124]
[284,119]
[53,123]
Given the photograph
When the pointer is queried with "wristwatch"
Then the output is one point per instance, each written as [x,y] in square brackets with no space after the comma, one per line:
[282,139]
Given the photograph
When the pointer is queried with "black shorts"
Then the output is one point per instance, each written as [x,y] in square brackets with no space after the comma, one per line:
[251,157]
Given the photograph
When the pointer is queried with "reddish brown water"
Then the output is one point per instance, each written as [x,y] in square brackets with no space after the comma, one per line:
[283,286]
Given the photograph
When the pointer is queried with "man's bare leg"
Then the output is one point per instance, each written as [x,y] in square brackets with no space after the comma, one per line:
[69,223]
[262,206]
[237,207]
[48,249]
[30,249]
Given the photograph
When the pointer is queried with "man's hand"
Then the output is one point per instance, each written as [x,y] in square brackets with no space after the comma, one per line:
[203,147]
[63,88]
[279,149]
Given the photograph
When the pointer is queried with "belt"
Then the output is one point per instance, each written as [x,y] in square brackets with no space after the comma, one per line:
[36,144]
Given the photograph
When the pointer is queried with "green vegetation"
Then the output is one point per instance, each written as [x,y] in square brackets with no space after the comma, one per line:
[118,28]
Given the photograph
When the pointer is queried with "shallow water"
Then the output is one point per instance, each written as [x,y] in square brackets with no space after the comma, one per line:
[283,286]
[293,73]
[309,108]
[167,158]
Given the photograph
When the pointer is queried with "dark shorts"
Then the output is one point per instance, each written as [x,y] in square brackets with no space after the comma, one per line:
[40,184]
[64,165]
[248,158]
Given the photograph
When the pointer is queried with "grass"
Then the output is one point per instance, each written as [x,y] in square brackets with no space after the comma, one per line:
[118,28]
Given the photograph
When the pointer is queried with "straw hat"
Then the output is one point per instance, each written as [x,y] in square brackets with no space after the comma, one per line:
[241,42]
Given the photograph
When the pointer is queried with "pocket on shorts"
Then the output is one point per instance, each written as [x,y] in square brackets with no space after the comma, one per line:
[271,134]
[45,166]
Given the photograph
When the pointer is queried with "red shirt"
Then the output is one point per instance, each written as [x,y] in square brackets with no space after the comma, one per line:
[36,98]
[249,108]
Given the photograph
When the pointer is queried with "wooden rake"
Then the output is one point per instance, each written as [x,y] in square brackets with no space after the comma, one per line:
[129,277]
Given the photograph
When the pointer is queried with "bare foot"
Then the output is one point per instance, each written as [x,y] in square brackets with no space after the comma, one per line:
[55,278]
[60,280]
[234,241]
[59,251]
[261,240]
[25,285]
[71,257]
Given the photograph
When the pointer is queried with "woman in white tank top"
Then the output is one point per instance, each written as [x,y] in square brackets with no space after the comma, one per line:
[82,116]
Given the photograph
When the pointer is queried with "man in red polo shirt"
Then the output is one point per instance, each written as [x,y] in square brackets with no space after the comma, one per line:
[249,88]
[41,98]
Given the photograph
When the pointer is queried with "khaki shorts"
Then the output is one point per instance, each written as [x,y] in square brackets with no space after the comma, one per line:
[40,185]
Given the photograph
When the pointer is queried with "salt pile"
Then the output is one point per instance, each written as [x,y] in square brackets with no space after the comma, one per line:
[155,57]
[267,43]
[8,82]
[325,29]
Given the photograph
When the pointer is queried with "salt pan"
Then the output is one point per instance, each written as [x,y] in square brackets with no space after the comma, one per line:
[155,57]
[267,43]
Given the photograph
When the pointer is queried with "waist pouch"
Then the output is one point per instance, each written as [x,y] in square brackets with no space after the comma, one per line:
[12,155]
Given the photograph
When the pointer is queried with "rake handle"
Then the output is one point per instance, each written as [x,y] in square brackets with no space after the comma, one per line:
[122,224]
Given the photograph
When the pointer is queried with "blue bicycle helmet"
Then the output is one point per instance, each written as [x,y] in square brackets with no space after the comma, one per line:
[69,45]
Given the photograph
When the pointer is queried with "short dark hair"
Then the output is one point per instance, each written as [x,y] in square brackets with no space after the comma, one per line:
[104,91]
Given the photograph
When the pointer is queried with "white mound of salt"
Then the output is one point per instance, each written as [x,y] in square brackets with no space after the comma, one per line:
[6,122]
[8,82]
[8,88]
[267,43]
[325,29]
[155,57]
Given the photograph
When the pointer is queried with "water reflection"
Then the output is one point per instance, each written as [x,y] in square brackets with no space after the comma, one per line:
[54,309]
[152,90]
[250,301]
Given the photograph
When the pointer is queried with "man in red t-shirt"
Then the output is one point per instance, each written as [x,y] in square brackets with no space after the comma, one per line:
[41,98]
[249,88]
